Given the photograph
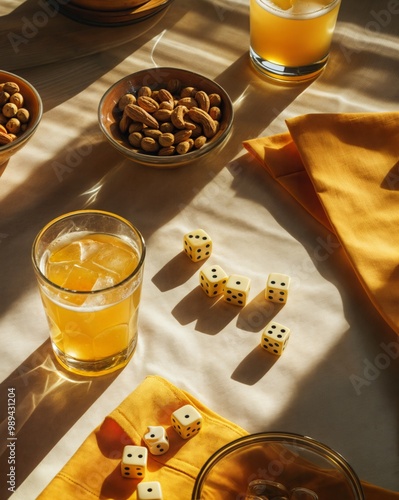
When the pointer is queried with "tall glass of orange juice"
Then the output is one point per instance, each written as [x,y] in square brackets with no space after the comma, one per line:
[89,266]
[290,39]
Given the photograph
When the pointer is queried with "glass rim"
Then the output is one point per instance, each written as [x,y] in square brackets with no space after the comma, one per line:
[269,5]
[288,438]
[69,215]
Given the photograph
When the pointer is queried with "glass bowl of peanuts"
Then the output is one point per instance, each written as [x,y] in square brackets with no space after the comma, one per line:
[166,117]
[277,465]
[21,111]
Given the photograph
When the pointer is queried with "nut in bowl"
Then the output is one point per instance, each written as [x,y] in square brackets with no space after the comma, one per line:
[165,117]
[277,465]
[21,111]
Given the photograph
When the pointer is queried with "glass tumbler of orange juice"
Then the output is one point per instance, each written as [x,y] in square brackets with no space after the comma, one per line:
[290,39]
[89,267]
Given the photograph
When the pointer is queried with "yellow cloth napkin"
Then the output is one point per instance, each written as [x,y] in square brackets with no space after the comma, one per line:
[94,471]
[344,170]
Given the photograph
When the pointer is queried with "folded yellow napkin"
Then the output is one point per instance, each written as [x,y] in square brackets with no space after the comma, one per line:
[344,170]
[94,471]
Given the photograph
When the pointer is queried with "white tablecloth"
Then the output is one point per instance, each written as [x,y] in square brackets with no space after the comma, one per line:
[337,379]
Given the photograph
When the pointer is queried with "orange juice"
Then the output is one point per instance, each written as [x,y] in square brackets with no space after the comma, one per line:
[100,324]
[291,38]
[90,284]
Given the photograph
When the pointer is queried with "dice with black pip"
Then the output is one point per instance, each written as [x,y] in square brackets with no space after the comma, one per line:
[197,245]
[236,289]
[274,338]
[277,287]
[212,280]
[156,440]
[187,421]
[149,490]
[134,461]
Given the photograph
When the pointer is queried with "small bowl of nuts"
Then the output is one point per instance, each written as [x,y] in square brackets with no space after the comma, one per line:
[21,111]
[165,117]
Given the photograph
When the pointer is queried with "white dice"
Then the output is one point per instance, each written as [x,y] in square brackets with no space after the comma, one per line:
[212,280]
[149,490]
[274,338]
[187,421]
[156,440]
[134,461]
[277,288]
[236,289]
[197,245]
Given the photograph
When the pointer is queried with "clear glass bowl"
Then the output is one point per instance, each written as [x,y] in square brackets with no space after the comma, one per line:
[291,460]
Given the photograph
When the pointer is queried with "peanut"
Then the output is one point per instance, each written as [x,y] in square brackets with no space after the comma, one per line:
[177,116]
[152,132]
[173,86]
[166,151]
[190,125]
[144,91]
[11,87]
[215,113]
[165,95]
[182,135]
[167,139]
[203,100]
[189,102]
[139,114]
[149,144]
[169,120]
[166,127]
[215,100]
[4,96]
[135,139]
[9,110]
[5,138]
[188,92]
[208,124]
[162,115]
[200,141]
[148,104]
[124,123]
[183,147]
[23,115]
[13,126]
[135,127]
[17,99]
[169,105]
[125,100]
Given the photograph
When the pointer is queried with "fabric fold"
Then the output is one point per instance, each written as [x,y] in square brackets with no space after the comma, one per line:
[94,470]
[344,170]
